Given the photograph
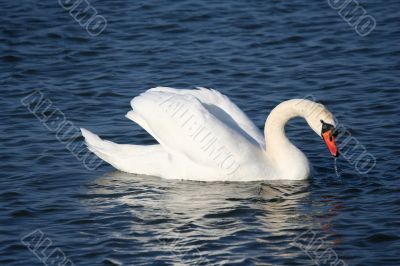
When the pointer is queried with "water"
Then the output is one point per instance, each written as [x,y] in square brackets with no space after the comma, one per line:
[259,53]
[336,168]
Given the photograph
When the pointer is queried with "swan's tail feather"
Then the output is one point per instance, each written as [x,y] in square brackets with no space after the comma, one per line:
[102,148]
[138,159]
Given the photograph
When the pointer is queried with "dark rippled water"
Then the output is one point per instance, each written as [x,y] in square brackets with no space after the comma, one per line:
[259,53]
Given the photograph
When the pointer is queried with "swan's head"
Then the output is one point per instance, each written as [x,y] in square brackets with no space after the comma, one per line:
[329,133]
[323,123]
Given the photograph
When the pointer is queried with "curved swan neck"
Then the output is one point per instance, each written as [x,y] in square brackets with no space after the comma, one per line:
[281,114]
[287,159]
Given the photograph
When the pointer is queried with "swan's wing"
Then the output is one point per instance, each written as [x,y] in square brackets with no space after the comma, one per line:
[224,109]
[185,128]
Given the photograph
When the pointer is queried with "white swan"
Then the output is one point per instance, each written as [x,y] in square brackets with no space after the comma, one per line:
[203,136]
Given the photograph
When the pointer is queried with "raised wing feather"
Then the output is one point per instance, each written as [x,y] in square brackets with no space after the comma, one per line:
[224,109]
[186,128]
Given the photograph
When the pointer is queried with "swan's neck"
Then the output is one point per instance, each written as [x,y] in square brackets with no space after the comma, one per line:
[287,159]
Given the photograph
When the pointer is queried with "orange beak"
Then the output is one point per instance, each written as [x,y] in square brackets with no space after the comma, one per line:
[329,139]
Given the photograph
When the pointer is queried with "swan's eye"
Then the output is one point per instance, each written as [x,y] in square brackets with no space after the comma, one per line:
[328,127]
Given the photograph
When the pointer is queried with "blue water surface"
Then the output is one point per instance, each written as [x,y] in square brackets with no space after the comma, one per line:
[259,53]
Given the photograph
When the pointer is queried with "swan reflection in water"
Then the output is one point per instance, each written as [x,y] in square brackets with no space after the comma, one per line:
[221,220]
